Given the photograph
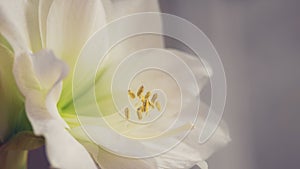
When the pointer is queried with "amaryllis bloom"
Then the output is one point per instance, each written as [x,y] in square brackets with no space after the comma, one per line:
[40,42]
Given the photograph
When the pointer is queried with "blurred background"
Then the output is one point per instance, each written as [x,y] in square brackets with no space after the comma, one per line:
[259,44]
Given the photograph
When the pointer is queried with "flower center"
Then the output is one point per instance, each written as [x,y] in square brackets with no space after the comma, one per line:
[145,106]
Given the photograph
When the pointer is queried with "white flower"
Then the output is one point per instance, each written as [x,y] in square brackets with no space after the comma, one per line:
[46,37]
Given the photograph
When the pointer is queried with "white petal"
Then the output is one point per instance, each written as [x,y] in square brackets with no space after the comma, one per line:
[190,152]
[185,155]
[20,24]
[44,7]
[32,24]
[69,25]
[107,160]
[202,165]
[12,25]
[39,77]
[115,9]
[64,151]
[118,8]
[201,72]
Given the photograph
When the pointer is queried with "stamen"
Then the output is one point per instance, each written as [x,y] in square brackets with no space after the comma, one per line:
[131,94]
[126,113]
[146,106]
[139,113]
[154,97]
[147,95]
[142,98]
[140,91]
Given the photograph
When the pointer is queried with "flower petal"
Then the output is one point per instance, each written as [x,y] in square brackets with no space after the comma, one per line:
[202,165]
[44,7]
[190,152]
[64,151]
[185,155]
[32,24]
[12,25]
[5,43]
[69,25]
[20,24]
[107,160]
[117,8]
[201,72]
[39,77]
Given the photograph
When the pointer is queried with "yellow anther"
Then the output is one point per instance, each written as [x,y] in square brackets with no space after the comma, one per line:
[147,95]
[131,94]
[140,91]
[154,97]
[126,113]
[142,98]
[146,106]
[139,113]
[143,103]
[157,104]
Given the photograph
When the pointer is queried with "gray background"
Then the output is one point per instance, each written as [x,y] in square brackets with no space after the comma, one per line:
[259,43]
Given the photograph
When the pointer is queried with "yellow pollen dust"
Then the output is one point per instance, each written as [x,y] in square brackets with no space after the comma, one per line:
[144,104]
